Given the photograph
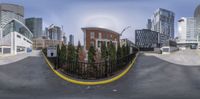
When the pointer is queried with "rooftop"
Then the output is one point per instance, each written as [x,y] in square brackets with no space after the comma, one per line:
[100,29]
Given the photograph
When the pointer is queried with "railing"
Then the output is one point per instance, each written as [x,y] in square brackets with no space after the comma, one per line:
[92,71]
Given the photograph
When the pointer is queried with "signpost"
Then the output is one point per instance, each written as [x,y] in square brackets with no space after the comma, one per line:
[52,53]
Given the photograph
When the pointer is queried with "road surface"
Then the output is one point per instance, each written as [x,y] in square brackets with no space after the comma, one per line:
[151,78]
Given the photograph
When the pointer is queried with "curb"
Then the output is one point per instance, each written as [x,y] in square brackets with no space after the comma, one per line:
[90,82]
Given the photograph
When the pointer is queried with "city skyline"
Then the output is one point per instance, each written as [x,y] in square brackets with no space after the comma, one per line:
[111,14]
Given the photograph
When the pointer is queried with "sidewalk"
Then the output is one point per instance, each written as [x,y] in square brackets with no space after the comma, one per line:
[14,58]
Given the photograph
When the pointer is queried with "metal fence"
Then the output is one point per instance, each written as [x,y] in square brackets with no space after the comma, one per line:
[90,71]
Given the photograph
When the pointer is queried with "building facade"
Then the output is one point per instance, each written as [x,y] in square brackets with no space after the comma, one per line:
[55,33]
[94,36]
[40,43]
[197,18]
[65,40]
[71,39]
[15,37]
[187,30]
[163,22]
[149,24]
[125,42]
[35,26]
[147,39]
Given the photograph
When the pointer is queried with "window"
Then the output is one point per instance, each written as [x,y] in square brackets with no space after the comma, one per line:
[18,27]
[18,36]
[91,43]
[91,35]
[99,35]
[20,49]
[6,50]
[99,43]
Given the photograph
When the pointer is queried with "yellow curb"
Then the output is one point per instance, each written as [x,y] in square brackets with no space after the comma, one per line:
[89,82]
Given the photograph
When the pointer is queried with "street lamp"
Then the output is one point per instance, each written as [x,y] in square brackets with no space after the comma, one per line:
[124,30]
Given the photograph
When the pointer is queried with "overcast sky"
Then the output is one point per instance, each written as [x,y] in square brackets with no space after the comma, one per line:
[111,14]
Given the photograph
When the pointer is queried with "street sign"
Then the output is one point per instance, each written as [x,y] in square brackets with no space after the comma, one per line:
[51,52]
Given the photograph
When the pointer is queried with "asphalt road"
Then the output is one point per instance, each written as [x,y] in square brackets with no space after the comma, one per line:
[151,78]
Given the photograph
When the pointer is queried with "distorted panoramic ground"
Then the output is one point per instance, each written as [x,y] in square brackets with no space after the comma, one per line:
[152,77]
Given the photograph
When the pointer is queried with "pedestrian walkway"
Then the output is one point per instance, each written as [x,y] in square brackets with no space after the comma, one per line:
[14,58]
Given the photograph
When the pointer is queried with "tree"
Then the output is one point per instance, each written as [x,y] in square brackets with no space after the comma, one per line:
[127,49]
[71,56]
[91,54]
[119,51]
[78,49]
[62,54]
[123,50]
[104,52]
[112,51]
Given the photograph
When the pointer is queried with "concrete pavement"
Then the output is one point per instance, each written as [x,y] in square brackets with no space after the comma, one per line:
[183,57]
[151,78]
[7,59]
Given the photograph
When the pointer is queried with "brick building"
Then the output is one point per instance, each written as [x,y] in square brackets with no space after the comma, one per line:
[94,36]
[97,36]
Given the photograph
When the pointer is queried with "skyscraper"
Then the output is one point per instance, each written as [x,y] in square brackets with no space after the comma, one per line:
[71,39]
[163,22]
[65,40]
[149,24]
[35,26]
[197,18]
[187,30]
[55,33]
[15,37]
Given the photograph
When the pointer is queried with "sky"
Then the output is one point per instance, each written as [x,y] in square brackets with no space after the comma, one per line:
[111,14]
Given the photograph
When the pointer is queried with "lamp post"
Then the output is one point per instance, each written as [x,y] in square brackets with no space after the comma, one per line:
[124,30]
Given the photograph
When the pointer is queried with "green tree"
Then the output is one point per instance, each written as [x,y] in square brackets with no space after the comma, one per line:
[104,52]
[78,49]
[58,50]
[123,50]
[91,54]
[112,51]
[62,53]
[119,51]
[127,49]
[71,55]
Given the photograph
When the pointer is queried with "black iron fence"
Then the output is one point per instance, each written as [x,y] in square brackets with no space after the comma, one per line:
[90,71]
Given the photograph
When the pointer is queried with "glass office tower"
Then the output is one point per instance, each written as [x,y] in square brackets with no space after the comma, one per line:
[163,22]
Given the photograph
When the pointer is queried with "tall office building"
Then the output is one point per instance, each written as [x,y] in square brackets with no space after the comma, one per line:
[65,40]
[149,24]
[55,33]
[187,30]
[163,22]
[35,26]
[197,18]
[147,39]
[15,37]
[71,39]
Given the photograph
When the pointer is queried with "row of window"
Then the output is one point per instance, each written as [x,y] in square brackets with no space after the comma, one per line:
[105,35]
[99,43]
[24,39]
[15,26]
